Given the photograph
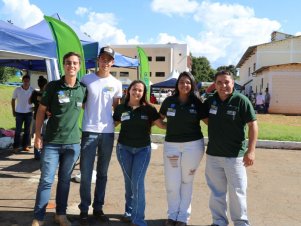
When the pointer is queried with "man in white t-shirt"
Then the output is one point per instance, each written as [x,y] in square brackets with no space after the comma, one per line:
[22,111]
[104,94]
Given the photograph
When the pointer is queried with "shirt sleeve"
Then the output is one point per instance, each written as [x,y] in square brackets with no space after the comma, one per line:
[154,113]
[117,113]
[163,108]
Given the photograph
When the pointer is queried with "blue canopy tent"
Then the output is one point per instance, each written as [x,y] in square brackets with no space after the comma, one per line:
[90,46]
[170,82]
[20,48]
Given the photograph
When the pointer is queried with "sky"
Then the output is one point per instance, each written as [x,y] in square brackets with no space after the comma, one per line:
[220,30]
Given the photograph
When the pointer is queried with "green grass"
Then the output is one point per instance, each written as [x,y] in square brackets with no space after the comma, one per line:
[271,127]
[7,120]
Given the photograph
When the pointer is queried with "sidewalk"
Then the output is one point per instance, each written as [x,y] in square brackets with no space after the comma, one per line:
[273,196]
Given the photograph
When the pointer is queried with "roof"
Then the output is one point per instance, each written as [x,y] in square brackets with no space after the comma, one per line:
[267,67]
[251,50]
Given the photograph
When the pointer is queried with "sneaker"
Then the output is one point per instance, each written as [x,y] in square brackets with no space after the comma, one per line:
[36,222]
[125,219]
[62,220]
[84,219]
[170,222]
[15,151]
[180,223]
[26,149]
[99,214]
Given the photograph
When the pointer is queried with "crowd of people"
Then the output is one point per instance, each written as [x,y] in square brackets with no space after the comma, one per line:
[226,112]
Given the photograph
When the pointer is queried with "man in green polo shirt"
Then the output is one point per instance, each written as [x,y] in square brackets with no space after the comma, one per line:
[63,99]
[228,151]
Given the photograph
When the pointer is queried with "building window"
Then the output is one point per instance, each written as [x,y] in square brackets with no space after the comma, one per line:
[124,74]
[249,73]
[150,74]
[114,73]
[160,58]
[254,66]
[149,58]
[160,74]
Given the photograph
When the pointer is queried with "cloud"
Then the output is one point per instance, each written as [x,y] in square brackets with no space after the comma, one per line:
[102,27]
[81,11]
[225,30]
[169,7]
[21,12]
[229,29]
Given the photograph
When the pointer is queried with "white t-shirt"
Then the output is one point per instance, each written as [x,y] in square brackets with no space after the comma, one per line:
[22,96]
[98,107]
[259,99]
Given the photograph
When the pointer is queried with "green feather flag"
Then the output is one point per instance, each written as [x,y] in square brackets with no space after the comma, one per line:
[144,71]
[66,41]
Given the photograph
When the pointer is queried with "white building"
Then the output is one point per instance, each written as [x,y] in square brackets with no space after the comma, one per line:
[275,65]
[163,59]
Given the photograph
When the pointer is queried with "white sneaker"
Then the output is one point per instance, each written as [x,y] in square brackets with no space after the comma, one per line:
[62,220]
[36,222]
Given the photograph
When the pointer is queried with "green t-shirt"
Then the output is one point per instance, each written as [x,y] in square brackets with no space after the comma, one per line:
[135,124]
[65,104]
[227,123]
[183,120]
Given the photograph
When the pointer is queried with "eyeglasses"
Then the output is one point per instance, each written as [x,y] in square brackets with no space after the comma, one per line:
[69,63]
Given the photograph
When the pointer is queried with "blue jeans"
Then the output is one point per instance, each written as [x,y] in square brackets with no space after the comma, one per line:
[134,163]
[20,119]
[54,155]
[90,142]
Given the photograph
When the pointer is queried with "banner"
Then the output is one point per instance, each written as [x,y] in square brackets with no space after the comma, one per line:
[144,71]
[66,41]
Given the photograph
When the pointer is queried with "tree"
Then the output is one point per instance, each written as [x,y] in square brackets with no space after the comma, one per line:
[6,73]
[202,70]
[230,68]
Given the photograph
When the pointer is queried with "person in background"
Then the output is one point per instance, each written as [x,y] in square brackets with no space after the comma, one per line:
[228,152]
[35,99]
[136,116]
[22,111]
[61,144]
[104,94]
[267,100]
[259,103]
[183,147]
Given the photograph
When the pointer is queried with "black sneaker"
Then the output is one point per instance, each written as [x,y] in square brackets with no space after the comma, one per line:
[83,219]
[99,214]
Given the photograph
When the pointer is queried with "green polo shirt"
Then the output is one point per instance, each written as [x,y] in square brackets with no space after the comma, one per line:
[183,120]
[227,124]
[65,104]
[135,124]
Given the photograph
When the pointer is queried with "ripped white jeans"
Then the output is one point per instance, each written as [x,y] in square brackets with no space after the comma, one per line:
[181,161]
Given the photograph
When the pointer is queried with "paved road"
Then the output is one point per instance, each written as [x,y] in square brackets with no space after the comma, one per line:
[274,194]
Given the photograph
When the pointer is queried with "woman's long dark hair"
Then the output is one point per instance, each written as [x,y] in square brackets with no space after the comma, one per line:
[193,91]
[143,100]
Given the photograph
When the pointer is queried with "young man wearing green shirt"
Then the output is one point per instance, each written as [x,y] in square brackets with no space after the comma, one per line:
[228,152]
[63,99]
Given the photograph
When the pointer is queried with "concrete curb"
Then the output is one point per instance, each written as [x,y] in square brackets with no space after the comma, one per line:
[158,138]
[269,144]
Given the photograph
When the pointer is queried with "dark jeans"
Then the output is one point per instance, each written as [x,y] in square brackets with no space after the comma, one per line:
[103,143]
[20,119]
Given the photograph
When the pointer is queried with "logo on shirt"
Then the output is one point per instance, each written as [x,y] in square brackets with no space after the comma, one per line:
[63,97]
[125,116]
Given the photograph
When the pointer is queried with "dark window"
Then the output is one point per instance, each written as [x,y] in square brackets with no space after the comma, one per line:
[160,74]
[124,74]
[149,58]
[249,73]
[150,74]
[160,58]
[254,66]
[114,73]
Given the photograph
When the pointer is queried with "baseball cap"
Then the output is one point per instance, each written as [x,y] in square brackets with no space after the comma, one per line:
[108,50]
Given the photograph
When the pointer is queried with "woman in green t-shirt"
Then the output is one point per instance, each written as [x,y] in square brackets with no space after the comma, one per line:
[136,116]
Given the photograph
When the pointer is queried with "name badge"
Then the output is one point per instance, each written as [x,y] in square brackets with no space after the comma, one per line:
[63,98]
[171,112]
[144,117]
[213,110]
[125,116]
